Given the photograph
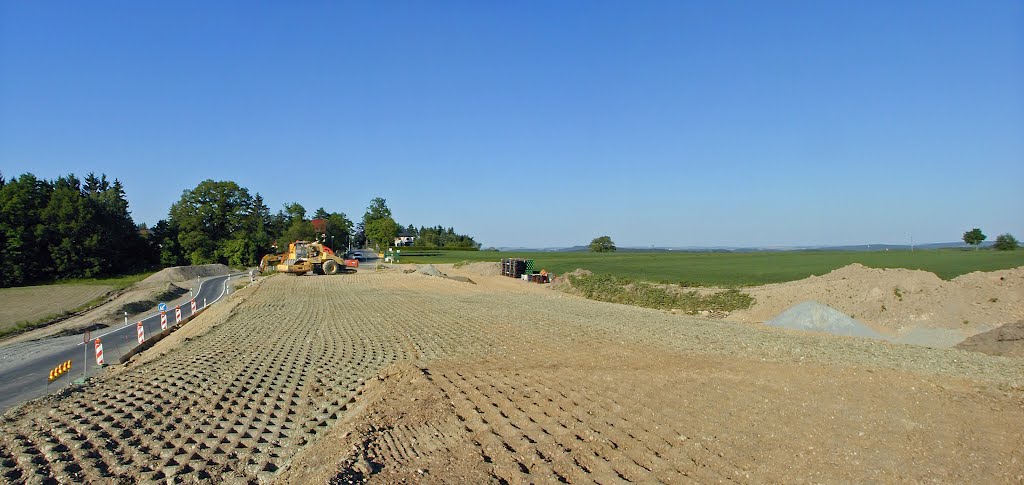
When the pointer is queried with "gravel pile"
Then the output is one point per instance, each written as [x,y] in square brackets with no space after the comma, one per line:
[430,270]
[812,316]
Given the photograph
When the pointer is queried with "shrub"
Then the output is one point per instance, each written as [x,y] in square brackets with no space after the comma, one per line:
[605,287]
[1006,242]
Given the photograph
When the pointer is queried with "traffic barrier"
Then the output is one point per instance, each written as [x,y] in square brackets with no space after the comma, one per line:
[145,343]
[60,370]
[99,352]
[177,314]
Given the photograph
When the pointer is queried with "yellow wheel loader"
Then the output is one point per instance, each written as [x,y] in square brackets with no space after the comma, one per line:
[304,256]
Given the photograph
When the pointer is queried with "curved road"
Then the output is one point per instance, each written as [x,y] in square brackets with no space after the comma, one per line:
[29,379]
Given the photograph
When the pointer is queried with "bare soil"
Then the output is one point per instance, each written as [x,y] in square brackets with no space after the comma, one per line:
[32,303]
[902,303]
[179,274]
[388,377]
[1007,340]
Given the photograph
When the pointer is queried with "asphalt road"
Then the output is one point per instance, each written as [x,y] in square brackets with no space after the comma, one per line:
[29,379]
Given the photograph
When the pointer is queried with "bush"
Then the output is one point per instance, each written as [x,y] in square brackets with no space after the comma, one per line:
[1006,242]
[605,287]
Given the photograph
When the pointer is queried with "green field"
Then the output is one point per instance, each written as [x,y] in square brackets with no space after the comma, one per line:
[740,269]
[26,307]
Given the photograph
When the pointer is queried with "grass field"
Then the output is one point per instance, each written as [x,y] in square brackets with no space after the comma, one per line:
[25,307]
[740,269]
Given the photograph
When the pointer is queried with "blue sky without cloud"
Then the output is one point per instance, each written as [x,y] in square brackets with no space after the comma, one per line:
[673,123]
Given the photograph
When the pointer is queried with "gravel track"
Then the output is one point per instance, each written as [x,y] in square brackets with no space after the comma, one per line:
[397,378]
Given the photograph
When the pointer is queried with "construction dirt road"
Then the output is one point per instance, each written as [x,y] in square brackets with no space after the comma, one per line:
[390,377]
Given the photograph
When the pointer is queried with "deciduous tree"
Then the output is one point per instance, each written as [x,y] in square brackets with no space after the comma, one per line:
[974,237]
[602,244]
[1006,242]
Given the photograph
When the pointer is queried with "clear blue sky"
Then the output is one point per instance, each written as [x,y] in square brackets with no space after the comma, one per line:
[541,123]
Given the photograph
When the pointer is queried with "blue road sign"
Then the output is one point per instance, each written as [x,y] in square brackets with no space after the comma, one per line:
[162,307]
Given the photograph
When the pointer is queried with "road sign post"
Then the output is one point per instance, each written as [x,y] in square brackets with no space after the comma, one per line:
[85,356]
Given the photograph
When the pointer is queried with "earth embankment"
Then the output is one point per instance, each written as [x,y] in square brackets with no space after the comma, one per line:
[391,377]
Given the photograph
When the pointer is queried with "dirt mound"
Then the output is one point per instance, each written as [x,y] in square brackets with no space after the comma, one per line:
[562,282]
[481,268]
[1007,340]
[184,273]
[811,316]
[429,270]
[901,301]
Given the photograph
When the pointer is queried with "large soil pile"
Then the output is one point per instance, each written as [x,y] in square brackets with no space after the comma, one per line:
[184,273]
[900,302]
[1007,340]
[481,268]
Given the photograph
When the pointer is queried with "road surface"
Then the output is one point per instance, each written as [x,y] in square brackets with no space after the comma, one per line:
[29,379]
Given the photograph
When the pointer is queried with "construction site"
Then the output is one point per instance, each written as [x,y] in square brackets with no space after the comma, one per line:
[392,376]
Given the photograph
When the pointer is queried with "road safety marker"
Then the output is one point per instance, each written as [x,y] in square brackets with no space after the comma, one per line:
[177,314]
[193,306]
[60,370]
[163,320]
[141,331]
[99,352]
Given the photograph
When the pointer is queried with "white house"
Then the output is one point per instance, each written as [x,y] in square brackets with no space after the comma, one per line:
[404,239]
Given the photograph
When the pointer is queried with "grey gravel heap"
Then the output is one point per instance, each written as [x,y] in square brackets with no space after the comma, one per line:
[812,316]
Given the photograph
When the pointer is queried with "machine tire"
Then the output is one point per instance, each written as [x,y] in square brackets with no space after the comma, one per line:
[331,267]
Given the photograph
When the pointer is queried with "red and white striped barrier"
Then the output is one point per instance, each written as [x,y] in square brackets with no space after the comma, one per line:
[141,331]
[193,306]
[177,314]
[163,320]
[99,352]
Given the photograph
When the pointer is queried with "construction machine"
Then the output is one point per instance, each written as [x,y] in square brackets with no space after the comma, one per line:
[305,256]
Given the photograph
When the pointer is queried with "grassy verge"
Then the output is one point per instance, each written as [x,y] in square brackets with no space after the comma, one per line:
[741,269]
[605,287]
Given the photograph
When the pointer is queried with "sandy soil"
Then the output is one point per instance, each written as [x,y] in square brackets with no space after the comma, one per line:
[389,377]
[902,303]
[1007,340]
[31,303]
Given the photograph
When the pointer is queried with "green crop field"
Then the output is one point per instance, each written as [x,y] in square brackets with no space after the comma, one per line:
[739,269]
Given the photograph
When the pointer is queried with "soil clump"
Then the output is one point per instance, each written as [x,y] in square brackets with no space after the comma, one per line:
[1006,340]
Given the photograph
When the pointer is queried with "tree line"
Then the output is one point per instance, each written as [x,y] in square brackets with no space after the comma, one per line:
[71,228]
[66,228]
[379,229]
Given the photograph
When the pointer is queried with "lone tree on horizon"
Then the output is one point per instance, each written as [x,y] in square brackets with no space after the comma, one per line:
[1006,242]
[974,237]
[602,244]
